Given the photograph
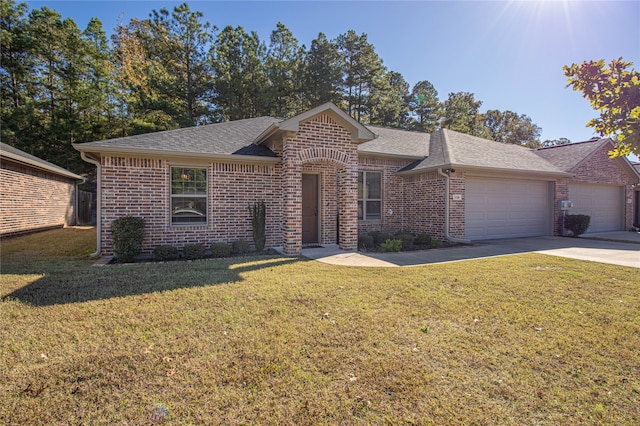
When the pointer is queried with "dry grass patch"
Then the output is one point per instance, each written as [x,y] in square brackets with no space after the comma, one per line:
[513,340]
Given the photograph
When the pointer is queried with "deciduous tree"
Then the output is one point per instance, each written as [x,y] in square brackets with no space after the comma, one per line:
[555,142]
[513,128]
[613,91]
[461,113]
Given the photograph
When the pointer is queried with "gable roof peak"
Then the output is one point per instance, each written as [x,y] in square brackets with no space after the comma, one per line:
[359,133]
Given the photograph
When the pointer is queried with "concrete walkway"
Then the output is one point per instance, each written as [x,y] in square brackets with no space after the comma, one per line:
[597,250]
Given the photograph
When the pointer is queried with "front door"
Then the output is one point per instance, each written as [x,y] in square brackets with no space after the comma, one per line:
[310,209]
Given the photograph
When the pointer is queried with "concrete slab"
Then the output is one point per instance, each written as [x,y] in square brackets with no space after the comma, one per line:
[332,254]
[612,252]
[620,236]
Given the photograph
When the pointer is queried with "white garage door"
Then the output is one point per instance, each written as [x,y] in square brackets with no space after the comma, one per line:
[602,202]
[500,208]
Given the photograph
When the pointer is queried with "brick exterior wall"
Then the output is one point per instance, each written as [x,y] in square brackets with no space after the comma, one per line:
[134,186]
[32,199]
[321,145]
[597,168]
[456,208]
[141,187]
[393,195]
[424,204]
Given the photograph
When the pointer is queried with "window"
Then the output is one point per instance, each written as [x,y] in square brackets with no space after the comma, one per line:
[369,195]
[188,195]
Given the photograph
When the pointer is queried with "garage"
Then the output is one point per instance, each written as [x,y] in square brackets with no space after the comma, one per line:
[602,202]
[500,208]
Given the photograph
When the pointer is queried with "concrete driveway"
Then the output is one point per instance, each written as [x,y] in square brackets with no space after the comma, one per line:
[613,252]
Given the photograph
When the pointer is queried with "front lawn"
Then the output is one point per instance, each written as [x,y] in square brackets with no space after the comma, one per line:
[527,339]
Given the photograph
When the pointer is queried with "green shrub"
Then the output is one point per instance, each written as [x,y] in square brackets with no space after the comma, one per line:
[240,247]
[407,240]
[193,251]
[380,237]
[165,253]
[577,223]
[437,244]
[365,242]
[127,234]
[258,223]
[391,245]
[422,240]
[220,250]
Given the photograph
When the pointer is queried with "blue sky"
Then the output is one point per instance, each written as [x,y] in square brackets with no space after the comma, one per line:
[508,53]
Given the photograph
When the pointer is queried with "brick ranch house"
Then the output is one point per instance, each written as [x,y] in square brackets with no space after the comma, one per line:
[324,178]
[34,194]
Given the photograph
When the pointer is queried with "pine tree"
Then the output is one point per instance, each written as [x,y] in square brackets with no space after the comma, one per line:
[284,70]
[425,106]
[362,66]
[322,76]
[240,80]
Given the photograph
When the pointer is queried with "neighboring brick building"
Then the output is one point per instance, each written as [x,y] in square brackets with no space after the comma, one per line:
[34,194]
[325,177]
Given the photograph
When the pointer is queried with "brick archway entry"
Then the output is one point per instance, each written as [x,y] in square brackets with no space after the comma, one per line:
[336,169]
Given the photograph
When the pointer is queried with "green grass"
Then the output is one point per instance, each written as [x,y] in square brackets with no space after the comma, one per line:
[527,339]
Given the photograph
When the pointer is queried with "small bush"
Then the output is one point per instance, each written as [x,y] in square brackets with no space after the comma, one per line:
[391,245]
[127,233]
[577,223]
[193,251]
[220,250]
[365,242]
[407,240]
[165,253]
[437,244]
[422,240]
[240,247]
[380,237]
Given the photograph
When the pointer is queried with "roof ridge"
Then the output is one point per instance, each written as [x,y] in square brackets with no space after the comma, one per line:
[445,144]
[572,144]
[398,129]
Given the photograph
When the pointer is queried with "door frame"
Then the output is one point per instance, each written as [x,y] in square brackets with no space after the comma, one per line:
[319,204]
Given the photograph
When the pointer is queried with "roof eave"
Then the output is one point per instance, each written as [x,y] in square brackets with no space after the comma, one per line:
[236,158]
[55,170]
[267,134]
[466,167]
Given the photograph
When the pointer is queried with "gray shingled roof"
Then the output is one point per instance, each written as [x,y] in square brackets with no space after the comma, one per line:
[9,152]
[443,148]
[454,149]
[568,156]
[396,142]
[229,138]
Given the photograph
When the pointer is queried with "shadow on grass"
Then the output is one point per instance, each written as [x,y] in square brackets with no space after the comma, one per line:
[82,284]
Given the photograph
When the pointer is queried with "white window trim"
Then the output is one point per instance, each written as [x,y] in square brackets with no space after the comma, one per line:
[364,198]
[207,170]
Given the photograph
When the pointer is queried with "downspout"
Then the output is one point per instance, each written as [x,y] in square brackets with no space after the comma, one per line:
[446,211]
[98,202]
